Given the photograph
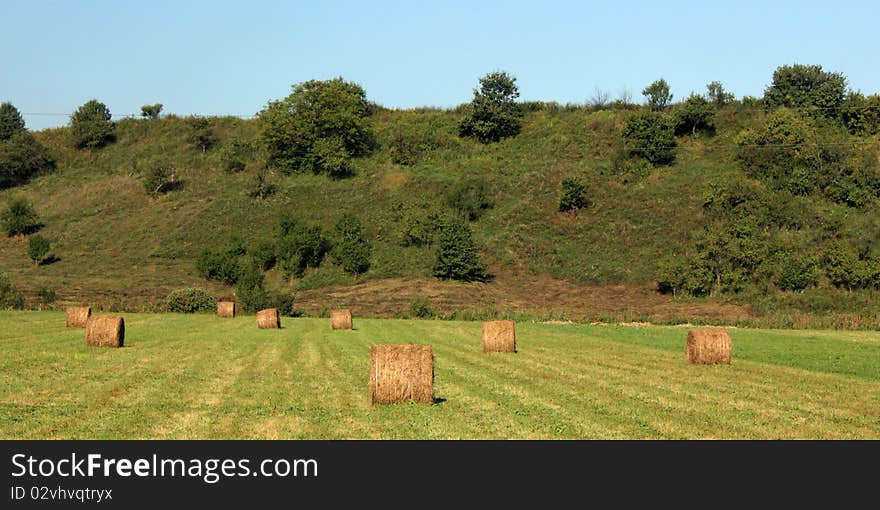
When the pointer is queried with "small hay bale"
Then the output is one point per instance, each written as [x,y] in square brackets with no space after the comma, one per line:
[268,319]
[340,319]
[708,347]
[499,336]
[401,372]
[105,331]
[225,309]
[77,316]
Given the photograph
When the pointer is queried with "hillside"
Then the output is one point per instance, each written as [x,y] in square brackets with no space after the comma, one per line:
[119,248]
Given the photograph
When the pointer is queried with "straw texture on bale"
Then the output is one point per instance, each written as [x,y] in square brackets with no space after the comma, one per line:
[708,347]
[105,331]
[268,319]
[499,336]
[77,316]
[340,319]
[401,372]
[225,309]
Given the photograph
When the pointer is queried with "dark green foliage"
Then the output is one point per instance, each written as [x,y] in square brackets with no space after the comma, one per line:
[682,276]
[799,271]
[420,223]
[695,114]
[160,177]
[38,249]
[22,157]
[457,257]
[90,126]
[469,198]
[220,265]
[299,245]
[46,296]
[861,115]
[261,185]
[719,97]
[201,134]
[283,303]
[19,218]
[806,86]
[848,269]
[421,308]
[10,297]
[252,295]
[651,136]
[11,122]
[263,255]
[405,150]
[657,95]
[352,249]
[190,300]
[317,128]
[574,195]
[235,155]
[493,114]
[151,111]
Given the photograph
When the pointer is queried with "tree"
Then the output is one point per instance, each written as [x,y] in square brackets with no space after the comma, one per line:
[299,245]
[91,127]
[317,128]
[352,250]
[651,136]
[806,86]
[719,97]
[22,157]
[574,195]
[160,178]
[151,111]
[493,114]
[694,114]
[250,290]
[657,94]
[457,257]
[10,297]
[38,248]
[19,218]
[860,114]
[11,122]
[201,134]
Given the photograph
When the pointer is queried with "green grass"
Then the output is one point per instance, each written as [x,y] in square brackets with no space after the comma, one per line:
[202,377]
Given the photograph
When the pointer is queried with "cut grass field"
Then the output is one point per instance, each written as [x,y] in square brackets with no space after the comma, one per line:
[200,377]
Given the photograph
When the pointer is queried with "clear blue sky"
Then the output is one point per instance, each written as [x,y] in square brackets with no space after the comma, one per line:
[218,57]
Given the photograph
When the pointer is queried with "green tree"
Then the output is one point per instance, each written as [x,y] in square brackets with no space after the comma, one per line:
[860,114]
[250,291]
[151,111]
[457,257]
[11,122]
[90,126]
[806,86]
[493,114]
[22,157]
[651,136]
[299,245]
[10,297]
[201,134]
[352,249]
[160,177]
[38,249]
[695,114]
[190,300]
[19,218]
[317,128]
[719,97]
[657,94]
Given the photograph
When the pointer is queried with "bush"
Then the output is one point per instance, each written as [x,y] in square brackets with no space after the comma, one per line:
[46,296]
[19,218]
[151,111]
[457,257]
[719,97]
[22,157]
[90,126]
[160,177]
[695,114]
[38,249]
[798,272]
[421,308]
[651,136]
[11,122]
[806,86]
[657,94]
[284,303]
[221,266]
[420,223]
[261,186]
[684,276]
[493,114]
[861,115]
[470,197]
[190,300]
[263,255]
[10,297]
[201,135]
[300,246]
[235,155]
[574,195]
[352,250]
[252,296]
[317,128]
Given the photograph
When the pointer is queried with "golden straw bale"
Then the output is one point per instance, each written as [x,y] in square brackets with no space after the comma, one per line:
[401,372]
[708,347]
[340,319]
[77,316]
[225,309]
[268,319]
[105,331]
[499,336]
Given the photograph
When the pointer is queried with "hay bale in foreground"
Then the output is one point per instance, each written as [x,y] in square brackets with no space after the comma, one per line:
[225,309]
[340,319]
[708,347]
[105,331]
[268,319]
[401,372]
[77,316]
[499,336]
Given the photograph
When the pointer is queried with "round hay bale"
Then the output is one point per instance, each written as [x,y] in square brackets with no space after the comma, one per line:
[268,319]
[77,316]
[401,372]
[225,309]
[105,331]
[708,347]
[499,336]
[340,319]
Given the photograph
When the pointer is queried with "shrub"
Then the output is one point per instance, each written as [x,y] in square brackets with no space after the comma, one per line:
[38,249]
[90,126]
[861,115]
[806,86]
[190,300]
[22,157]
[160,177]
[11,122]
[151,111]
[493,114]
[220,266]
[574,195]
[252,296]
[651,136]
[19,218]
[843,267]
[352,251]
[719,97]
[284,303]
[657,94]
[317,128]
[261,186]
[695,114]
[263,255]
[798,272]
[419,223]
[46,296]
[421,308]
[10,297]
[684,276]
[201,135]
[235,155]
[457,256]
[470,197]
[300,246]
